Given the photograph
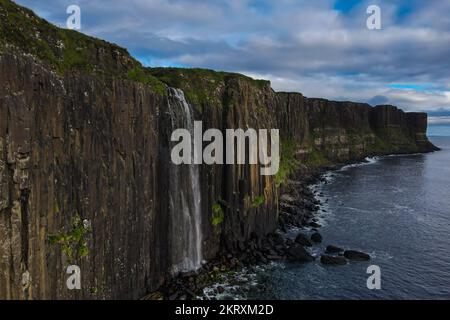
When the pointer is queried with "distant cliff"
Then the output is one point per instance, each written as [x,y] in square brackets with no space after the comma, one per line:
[85,171]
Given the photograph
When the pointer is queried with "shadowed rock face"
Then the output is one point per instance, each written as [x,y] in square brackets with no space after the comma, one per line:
[93,145]
[78,147]
[406,132]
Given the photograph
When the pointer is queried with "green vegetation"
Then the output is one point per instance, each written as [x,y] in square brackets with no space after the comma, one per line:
[201,86]
[288,162]
[316,158]
[398,140]
[73,243]
[381,146]
[218,214]
[142,75]
[68,50]
[71,51]
[258,201]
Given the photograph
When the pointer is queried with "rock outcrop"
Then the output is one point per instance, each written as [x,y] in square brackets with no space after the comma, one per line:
[298,253]
[333,260]
[333,249]
[85,159]
[303,240]
[356,255]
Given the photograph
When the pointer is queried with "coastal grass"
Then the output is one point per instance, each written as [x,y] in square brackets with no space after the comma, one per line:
[202,87]
[218,214]
[288,162]
[73,243]
[68,50]
[71,51]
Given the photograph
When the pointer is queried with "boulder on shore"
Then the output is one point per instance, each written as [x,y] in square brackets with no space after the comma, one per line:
[297,253]
[316,237]
[314,225]
[356,255]
[303,240]
[333,260]
[333,249]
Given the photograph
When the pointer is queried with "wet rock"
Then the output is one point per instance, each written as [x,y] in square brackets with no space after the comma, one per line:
[314,224]
[241,246]
[333,249]
[258,256]
[299,254]
[220,289]
[356,255]
[333,260]
[303,240]
[277,239]
[290,208]
[316,237]
[154,296]
[287,198]
[174,296]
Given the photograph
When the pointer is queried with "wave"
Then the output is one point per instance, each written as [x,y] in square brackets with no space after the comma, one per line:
[365,162]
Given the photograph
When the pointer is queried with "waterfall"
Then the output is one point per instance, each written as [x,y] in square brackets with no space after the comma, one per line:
[184,196]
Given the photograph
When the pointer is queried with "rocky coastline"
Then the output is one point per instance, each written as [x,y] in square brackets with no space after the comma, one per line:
[85,137]
[299,208]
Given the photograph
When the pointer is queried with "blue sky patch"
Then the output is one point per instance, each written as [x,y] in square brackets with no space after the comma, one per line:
[346,5]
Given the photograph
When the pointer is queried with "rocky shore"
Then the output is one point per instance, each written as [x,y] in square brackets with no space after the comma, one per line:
[85,136]
[299,208]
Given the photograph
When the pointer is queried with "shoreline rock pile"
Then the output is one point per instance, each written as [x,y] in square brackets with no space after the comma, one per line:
[298,208]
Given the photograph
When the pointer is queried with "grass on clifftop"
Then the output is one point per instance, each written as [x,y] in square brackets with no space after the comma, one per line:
[201,86]
[68,50]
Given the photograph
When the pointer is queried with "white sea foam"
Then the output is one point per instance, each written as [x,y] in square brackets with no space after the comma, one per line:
[237,285]
[367,161]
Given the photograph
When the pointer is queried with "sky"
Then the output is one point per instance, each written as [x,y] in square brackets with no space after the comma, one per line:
[321,48]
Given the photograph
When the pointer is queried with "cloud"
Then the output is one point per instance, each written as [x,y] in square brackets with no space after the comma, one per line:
[378,100]
[439,120]
[321,48]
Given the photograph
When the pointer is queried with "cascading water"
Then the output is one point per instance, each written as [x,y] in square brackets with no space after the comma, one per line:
[184,196]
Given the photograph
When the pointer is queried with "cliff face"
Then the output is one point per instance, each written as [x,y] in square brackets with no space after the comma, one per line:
[404,131]
[75,148]
[85,170]
[330,131]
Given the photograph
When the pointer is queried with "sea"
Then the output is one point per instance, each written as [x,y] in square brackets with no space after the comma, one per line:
[395,208]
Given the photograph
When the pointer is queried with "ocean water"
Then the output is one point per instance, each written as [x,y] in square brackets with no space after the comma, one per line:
[395,208]
[438,130]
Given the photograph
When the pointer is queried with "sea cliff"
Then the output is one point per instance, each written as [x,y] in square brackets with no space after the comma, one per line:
[85,170]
